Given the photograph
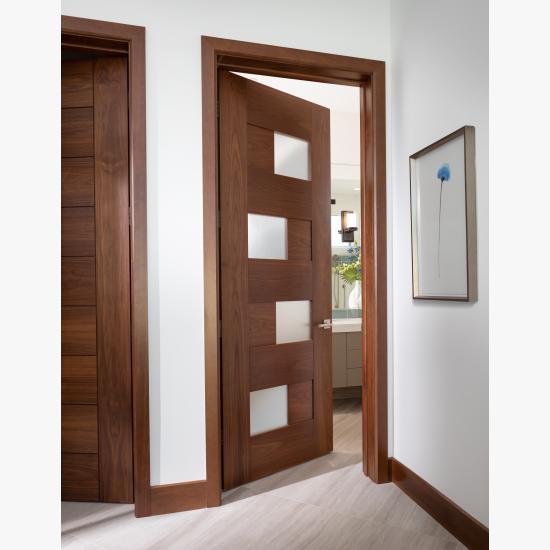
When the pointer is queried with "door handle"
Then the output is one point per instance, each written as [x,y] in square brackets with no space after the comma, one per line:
[326,324]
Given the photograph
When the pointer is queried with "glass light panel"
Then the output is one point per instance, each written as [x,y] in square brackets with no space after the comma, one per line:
[292,321]
[291,156]
[267,237]
[268,409]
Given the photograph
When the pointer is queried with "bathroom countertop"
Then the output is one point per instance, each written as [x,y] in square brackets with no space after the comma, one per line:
[347,325]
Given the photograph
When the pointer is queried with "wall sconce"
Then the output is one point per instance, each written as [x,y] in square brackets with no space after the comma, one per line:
[349,226]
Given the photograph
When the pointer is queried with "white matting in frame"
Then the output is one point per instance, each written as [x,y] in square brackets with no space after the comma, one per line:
[443,228]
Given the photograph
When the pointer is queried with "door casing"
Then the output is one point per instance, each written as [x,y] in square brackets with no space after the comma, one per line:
[369,76]
[129,40]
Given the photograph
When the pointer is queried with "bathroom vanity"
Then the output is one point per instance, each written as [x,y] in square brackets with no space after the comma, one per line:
[346,353]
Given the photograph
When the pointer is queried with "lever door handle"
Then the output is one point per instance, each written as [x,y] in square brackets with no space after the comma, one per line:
[326,324]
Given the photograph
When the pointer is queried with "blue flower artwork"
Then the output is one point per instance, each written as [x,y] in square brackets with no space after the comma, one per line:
[443,174]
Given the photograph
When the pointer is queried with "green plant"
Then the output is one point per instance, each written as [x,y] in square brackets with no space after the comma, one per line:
[349,270]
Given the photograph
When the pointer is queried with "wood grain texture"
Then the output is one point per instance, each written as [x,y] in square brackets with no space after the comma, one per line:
[113,279]
[79,429]
[225,54]
[279,449]
[77,132]
[78,330]
[79,380]
[280,364]
[79,477]
[457,521]
[234,284]
[77,181]
[374,263]
[277,280]
[211,250]
[299,239]
[77,83]
[322,282]
[300,401]
[261,324]
[77,232]
[286,113]
[77,281]
[100,35]
[276,195]
[261,150]
[178,497]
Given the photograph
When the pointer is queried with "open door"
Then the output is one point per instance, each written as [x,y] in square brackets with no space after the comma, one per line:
[275,280]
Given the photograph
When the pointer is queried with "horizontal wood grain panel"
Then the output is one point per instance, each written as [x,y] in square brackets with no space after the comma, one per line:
[79,429]
[78,330]
[279,280]
[276,195]
[300,401]
[79,477]
[78,231]
[279,449]
[77,132]
[77,281]
[280,364]
[299,239]
[77,181]
[261,324]
[77,83]
[79,380]
[286,113]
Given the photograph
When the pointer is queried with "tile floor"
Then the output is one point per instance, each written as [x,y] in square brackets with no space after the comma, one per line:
[326,503]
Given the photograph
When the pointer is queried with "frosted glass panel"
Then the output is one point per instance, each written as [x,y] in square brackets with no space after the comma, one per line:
[292,321]
[268,409]
[267,237]
[291,156]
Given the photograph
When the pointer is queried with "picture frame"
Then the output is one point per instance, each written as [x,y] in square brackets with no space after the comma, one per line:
[443,218]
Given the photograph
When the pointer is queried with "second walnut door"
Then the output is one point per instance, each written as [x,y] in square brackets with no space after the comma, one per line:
[275,280]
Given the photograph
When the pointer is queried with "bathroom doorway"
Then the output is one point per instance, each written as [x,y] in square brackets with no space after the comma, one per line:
[368,77]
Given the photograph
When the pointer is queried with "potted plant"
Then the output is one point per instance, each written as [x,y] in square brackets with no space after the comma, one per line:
[349,271]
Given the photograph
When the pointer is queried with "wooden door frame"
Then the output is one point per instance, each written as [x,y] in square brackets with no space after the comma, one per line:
[102,36]
[369,75]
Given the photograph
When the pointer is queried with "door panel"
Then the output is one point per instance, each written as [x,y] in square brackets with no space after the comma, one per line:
[77,182]
[96,411]
[270,308]
[77,132]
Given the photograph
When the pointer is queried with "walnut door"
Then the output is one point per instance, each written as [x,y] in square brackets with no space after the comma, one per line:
[96,405]
[275,280]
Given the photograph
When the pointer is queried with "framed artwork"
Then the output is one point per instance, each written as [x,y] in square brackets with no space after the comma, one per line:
[443,218]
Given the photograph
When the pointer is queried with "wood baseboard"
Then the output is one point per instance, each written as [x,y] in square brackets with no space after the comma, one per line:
[178,497]
[462,525]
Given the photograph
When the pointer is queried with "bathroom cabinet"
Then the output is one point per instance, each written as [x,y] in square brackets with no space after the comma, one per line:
[346,359]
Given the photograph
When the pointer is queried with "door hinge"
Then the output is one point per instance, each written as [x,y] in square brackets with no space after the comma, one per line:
[130,216]
[218,109]
[219,219]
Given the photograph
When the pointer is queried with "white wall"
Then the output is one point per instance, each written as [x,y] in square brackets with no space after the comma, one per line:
[439,53]
[174,177]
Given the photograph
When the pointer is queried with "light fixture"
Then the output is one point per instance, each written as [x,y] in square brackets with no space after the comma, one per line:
[349,225]
[357,189]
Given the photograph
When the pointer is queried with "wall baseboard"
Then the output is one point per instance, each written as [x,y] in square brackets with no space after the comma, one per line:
[178,497]
[468,530]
